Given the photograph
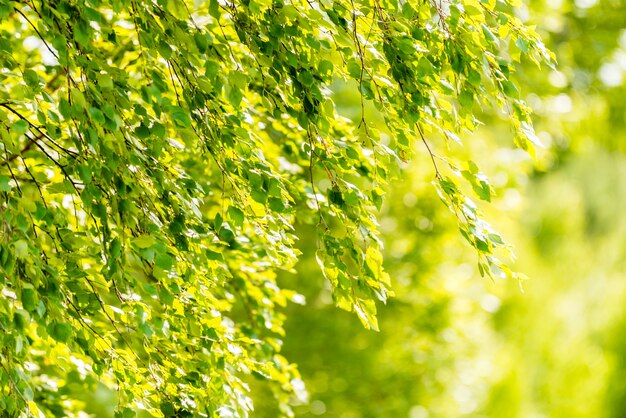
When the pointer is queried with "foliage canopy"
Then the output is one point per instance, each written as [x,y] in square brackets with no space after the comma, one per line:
[157,155]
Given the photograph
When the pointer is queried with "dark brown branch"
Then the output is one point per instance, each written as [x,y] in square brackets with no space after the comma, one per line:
[38,34]
[28,146]
[38,129]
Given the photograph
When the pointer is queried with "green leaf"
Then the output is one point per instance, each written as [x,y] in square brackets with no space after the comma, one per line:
[78,98]
[20,127]
[31,78]
[97,115]
[235,96]
[374,259]
[164,261]
[354,69]
[335,196]
[212,255]
[488,34]
[105,82]
[236,215]
[125,413]
[306,78]
[482,245]
[167,409]
[325,67]
[473,10]
[65,109]
[180,117]
[4,184]
[522,44]
[144,241]
[366,311]
[142,131]
[82,32]
[474,77]
[60,331]
[115,248]
[165,50]
[466,99]
[21,249]
[201,42]
[29,299]
[510,89]
[214,9]
[21,319]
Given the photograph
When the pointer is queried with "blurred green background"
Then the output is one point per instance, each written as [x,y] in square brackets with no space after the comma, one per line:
[453,344]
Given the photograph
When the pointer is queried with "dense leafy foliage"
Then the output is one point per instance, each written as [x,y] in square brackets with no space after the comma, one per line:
[157,155]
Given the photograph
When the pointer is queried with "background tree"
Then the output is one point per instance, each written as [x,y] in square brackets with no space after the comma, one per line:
[156,157]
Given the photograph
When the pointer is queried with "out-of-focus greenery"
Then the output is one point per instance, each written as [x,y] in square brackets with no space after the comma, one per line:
[452,344]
